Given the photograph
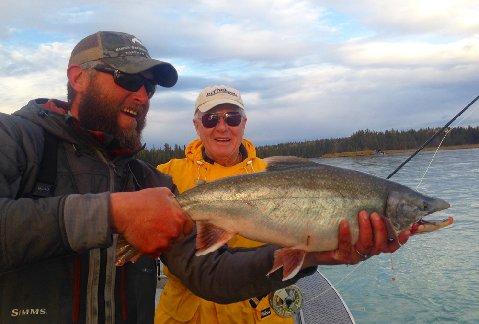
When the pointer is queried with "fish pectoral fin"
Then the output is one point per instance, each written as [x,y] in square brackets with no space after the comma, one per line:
[210,238]
[290,259]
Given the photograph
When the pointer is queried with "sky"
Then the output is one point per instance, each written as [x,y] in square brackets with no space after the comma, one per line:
[306,69]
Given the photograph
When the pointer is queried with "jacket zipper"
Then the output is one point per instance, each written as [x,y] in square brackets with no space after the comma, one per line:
[112,169]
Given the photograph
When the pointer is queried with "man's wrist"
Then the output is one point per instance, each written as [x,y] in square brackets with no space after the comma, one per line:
[113,212]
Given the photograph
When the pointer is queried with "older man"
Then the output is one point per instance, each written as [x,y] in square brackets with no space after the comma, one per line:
[220,151]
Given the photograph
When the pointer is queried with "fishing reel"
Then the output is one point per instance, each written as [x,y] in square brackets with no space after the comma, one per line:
[286,302]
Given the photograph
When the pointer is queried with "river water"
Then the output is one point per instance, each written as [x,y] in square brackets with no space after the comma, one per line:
[434,278]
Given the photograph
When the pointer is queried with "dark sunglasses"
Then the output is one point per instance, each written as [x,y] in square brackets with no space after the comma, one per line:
[232,119]
[130,82]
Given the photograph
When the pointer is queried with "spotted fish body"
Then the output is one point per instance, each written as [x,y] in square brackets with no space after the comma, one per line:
[299,205]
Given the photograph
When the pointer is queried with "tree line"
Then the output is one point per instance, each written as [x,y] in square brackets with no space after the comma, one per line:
[361,140]
[156,156]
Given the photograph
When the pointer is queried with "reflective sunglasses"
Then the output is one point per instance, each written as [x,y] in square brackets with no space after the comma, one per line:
[130,82]
[232,119]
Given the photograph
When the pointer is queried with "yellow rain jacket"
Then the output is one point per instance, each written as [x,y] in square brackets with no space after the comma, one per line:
[179,305]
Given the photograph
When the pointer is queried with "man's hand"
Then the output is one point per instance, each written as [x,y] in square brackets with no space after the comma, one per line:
[372,240]
[150,219]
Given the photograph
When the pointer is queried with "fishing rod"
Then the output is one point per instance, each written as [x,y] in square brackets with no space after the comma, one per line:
[433,137]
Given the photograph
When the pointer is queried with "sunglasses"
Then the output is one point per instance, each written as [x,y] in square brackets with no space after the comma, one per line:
[232,119]
[130,82]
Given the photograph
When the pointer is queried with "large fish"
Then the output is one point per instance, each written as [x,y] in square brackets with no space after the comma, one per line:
[298,204]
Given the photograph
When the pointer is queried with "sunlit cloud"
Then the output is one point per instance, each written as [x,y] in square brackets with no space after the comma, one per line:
[407,53]
[306,69]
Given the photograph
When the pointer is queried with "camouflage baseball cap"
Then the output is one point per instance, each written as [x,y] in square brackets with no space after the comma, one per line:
[123,52]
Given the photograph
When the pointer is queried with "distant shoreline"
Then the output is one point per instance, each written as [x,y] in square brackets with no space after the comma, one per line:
[366,153]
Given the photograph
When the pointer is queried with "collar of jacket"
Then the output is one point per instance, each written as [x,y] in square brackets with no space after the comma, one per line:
[242,151]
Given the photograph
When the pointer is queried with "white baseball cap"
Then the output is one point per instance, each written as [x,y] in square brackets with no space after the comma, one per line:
[213,96]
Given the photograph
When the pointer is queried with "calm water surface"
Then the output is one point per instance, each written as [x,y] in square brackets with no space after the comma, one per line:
[434,278]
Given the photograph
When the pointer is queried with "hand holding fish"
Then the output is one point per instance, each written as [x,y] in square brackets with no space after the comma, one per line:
[149,219]
[372,240]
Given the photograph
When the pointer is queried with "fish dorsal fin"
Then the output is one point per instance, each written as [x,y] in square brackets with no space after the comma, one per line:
[281,163]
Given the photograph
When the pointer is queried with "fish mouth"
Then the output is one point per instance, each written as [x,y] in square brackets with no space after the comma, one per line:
[406,211]
[426,226]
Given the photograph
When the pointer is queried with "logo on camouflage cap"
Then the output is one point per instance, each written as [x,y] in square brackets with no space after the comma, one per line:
[136,40]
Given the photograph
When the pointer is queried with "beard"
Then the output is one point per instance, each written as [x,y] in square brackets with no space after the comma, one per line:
[99,112]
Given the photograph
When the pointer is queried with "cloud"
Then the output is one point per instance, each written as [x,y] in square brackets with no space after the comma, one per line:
[414,17]
[306,70]
[32,72]
[264,31]
[20,60]
[330,101]
[408,53]
[50,17]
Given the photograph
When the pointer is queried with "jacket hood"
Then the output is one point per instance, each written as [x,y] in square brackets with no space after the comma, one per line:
[51,120]
[194,150]
[54,117]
